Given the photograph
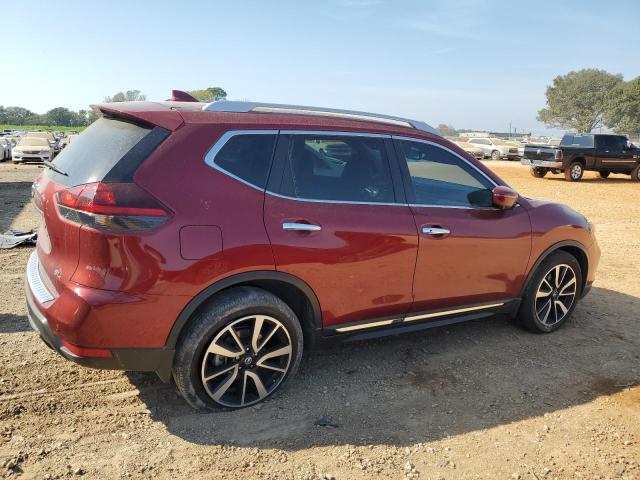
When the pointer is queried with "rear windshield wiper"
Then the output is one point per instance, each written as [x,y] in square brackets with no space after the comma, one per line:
[50,165]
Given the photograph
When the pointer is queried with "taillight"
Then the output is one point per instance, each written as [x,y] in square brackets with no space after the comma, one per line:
[558,154]
[111,206]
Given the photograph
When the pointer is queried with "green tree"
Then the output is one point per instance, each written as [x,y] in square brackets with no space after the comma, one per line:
[623,114]
[447,130]
[210,94]
[17,115]
[579,100]
[128,96]
[61,116]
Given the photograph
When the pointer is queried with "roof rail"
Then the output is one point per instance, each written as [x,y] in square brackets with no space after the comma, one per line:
[246,107]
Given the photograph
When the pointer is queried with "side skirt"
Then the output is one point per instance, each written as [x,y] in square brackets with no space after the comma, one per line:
[383,327]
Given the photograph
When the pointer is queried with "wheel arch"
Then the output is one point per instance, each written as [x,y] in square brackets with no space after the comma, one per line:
[293,291]
[570,246]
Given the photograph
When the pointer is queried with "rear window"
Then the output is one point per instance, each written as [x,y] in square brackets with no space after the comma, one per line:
[585,141]
[95,152]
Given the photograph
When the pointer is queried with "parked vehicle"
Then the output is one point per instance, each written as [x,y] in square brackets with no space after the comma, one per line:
[470,148]
[51,138]
[214,243]
[67,140]
[603,153]
[5,149]
[496,148]
[32,149]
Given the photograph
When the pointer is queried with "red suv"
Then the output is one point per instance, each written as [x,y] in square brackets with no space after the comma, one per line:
[212,243]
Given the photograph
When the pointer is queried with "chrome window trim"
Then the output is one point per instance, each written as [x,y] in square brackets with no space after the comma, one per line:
[225,137]
[210,156]
[333,202]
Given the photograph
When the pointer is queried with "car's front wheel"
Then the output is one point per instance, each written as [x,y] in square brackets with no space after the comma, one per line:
[574,172]
[552,293]
[239,349]
[495,155]
[635,173]
[538,172]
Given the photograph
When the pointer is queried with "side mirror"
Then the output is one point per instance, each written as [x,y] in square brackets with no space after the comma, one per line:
[504,197]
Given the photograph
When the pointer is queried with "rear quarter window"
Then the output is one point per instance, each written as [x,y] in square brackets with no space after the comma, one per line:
[99,152]
[245,156]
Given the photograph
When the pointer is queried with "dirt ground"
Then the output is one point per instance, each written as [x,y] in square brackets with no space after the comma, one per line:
[478,400]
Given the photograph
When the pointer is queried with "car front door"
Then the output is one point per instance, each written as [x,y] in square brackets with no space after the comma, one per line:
[470,254]
[337,219]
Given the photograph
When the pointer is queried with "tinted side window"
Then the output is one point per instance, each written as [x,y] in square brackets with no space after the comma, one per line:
[439,177]
[338,168]
[606,142]
[585,141]
[248,156]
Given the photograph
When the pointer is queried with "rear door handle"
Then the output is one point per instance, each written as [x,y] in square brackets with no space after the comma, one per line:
[434,231]
[300,227]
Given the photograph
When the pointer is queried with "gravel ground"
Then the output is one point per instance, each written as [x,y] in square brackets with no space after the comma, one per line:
[479,400]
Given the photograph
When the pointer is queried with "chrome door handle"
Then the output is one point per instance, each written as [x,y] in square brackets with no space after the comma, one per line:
[300,227]
[435,231]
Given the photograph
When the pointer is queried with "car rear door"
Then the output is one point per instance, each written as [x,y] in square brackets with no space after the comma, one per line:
[337,219]
[469,252]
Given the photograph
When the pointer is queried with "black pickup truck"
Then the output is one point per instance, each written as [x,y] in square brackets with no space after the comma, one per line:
[576,153]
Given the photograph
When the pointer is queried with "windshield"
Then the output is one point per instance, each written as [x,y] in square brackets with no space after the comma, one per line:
[35,142]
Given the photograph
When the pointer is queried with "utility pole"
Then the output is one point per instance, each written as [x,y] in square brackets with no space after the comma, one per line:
[509,129]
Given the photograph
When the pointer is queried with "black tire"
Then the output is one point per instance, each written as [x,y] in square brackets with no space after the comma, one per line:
[495,155]
[574,172]
[530,309]
[538,172]
[604,174]
[635,173]
[212,320]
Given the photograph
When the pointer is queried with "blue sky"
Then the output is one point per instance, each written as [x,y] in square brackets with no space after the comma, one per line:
[472,64]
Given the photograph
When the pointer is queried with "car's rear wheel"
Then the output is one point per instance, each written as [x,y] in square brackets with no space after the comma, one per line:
[604,174]
[552,293]
[495,155]
[239,349]
[635,173]
[574,172]
[538,172]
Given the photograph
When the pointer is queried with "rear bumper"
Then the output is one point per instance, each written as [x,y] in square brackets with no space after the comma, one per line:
[157,360]
[541,163]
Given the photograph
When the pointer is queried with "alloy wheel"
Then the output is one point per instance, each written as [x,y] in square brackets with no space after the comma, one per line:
[576,172]
[246,361]
[556,294]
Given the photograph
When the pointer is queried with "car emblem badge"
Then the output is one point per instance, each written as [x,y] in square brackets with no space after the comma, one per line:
[539,151]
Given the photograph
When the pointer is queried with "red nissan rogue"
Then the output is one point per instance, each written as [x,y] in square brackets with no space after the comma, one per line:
[213,243]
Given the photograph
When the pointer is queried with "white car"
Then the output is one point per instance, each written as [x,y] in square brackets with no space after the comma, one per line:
[32,149]
[496,148]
